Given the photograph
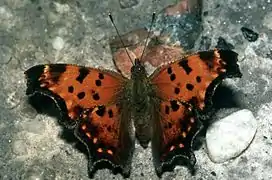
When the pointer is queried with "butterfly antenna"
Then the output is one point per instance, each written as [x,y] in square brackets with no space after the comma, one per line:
[120,37]
[152,22]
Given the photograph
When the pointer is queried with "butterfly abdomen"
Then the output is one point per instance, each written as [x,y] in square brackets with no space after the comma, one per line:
[140,112]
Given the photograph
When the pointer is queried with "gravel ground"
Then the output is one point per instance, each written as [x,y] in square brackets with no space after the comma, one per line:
[35,146]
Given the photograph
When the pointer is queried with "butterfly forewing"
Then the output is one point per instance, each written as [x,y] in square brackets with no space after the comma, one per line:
[193,78]
[78,87]
[94,103]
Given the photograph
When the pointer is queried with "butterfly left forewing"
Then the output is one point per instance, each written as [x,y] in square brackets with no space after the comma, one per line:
[73,88]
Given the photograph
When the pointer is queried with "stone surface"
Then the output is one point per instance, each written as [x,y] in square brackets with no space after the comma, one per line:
[27,29]
[229,137]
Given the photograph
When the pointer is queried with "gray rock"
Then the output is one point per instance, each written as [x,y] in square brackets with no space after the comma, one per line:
[230,136]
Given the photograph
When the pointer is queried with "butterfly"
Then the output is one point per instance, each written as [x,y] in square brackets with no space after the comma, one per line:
[108,111]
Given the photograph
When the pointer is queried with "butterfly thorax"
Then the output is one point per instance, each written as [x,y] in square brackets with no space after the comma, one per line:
[141,90]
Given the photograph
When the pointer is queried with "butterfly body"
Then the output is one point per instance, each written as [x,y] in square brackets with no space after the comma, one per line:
[142,102]
[103,106]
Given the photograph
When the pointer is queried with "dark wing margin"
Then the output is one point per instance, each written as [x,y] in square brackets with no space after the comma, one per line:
[175,127]
[37,92]
[232,70]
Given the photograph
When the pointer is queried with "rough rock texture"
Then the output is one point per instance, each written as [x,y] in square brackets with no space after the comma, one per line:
[34,146]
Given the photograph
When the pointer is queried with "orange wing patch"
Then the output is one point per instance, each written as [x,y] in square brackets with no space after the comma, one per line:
[190,79]
[79,87]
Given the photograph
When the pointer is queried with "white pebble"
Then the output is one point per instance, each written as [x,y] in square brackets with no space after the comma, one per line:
[229,137]
[58,43]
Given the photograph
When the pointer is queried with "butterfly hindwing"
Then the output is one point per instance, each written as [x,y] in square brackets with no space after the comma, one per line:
[175,125]
[106,131]
[92,102]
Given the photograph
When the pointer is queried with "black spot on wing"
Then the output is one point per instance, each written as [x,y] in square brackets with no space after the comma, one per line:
[190,87]
[101,111]
[98,82]
[100,76]
[198,79]
[96,96]
[174,105]
[70,89]
[208,57]
[184,64]
[172,77]
[169,70]
[109,128]
[110,113]
[81,95]
[83,72]
[177,90]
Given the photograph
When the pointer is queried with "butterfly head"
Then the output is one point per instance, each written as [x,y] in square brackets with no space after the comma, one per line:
[138,70]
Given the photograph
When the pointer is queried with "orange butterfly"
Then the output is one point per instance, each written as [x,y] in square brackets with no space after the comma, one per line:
[102,106]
